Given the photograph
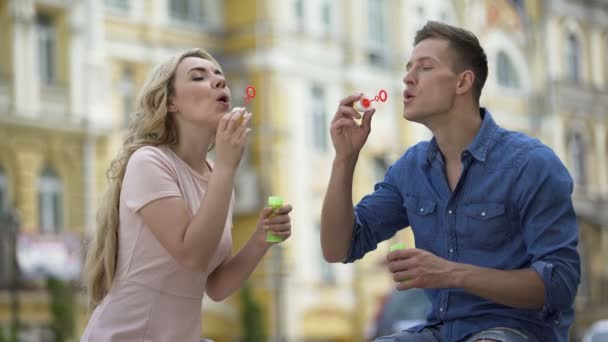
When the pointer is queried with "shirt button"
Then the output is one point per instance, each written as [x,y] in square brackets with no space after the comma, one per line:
[421,210]
[451,250]
[483,213]
[441,309]
[450,212]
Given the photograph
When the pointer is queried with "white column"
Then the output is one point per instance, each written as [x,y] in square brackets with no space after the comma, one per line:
[89,177]
[559,134]
[93,90]
[602,157]
[25,64]
[555,50]
[96,87]
[77,58]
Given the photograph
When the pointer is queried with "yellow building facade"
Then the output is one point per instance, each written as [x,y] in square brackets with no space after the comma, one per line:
[71,70]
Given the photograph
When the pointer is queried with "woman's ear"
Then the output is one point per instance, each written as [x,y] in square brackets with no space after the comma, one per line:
[465,82]
[171,107]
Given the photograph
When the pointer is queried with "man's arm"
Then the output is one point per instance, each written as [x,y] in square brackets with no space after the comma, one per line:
[543,191]
[337,215]
[522,289]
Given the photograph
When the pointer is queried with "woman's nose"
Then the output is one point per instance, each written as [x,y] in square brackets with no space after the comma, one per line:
[219,82]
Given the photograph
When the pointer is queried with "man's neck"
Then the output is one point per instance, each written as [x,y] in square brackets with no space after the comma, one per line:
[456,131]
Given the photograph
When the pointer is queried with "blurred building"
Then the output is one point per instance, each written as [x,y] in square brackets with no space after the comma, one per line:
[549,78]
[70,71]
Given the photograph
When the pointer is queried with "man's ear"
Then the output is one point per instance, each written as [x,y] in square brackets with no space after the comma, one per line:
[465,82]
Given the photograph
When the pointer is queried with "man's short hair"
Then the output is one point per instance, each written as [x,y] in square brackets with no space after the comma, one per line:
[468,52]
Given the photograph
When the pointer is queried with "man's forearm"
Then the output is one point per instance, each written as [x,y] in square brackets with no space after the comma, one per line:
[337,216]
[521,289]
[230,276]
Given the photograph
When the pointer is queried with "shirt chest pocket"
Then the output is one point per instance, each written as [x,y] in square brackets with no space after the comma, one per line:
[423,218]
[486,225]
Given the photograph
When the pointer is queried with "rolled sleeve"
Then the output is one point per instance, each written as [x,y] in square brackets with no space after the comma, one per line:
[549,226]
[378,216]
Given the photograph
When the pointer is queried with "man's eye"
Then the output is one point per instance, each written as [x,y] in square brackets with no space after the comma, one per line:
[198,78]
[427,67]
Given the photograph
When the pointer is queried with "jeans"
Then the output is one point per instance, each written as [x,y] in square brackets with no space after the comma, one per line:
[431,334]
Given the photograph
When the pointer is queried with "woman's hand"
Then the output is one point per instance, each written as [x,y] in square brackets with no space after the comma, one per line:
[231,137]
[276,221]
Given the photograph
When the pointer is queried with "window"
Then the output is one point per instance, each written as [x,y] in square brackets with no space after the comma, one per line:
[127,91]
[187,10]
[377,32]
[507,75]
[326,16]
[298,8]
[45,32]
[121,5]
[50,209]
[3,192]
[327,274]
[319,120]
[578,159]
[573,58]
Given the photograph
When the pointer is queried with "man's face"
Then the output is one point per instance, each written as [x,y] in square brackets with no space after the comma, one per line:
[430,81]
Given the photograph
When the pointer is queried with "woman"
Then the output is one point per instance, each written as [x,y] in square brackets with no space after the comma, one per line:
[164,227]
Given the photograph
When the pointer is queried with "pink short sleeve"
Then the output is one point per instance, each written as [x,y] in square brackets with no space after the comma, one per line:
[150,175]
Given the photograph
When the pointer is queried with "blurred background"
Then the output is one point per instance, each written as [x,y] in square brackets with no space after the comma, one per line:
[70,71]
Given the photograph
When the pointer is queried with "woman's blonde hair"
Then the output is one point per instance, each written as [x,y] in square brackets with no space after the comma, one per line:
[150,126]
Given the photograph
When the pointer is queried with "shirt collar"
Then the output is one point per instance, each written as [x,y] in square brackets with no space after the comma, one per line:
[485,138]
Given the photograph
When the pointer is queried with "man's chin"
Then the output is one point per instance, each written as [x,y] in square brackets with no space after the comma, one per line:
[411,115]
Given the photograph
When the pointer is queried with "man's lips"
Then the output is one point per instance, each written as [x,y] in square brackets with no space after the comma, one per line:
[407,96]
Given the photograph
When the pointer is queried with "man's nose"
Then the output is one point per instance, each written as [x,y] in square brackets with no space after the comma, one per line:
[409,78]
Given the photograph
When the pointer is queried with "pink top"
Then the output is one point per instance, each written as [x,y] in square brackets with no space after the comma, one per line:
[153,298]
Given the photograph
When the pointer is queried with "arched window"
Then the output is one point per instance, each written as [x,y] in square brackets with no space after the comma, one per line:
[577,152]
[3,191]
[506,73]
[50,208]
[573,57]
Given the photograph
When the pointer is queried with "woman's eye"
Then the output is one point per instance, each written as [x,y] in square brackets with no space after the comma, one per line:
[198,78]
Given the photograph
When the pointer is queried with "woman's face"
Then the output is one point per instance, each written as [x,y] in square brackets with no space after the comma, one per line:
[201,95]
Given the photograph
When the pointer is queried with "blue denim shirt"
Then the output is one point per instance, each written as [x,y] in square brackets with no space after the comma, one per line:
[511,209]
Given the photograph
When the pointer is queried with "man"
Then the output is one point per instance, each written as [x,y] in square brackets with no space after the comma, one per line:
[490,209]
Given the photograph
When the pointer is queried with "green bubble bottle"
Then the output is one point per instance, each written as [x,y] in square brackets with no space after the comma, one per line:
[275,202]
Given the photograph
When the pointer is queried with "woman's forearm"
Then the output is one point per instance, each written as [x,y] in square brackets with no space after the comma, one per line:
[233,273]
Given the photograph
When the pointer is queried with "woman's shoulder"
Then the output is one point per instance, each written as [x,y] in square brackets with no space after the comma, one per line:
[150,155]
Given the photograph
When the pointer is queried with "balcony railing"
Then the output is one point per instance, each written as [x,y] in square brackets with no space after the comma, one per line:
[575,97]
[54,99]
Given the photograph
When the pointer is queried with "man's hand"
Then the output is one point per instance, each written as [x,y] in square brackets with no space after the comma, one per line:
[347,135]
[416,268]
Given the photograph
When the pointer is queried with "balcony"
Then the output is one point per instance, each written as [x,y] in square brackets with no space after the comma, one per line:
[575,97]
[54,100]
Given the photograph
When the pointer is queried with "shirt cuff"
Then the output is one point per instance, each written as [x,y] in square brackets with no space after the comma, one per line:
[545,271]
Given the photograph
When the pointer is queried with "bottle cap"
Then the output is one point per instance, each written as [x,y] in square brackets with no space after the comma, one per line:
[275,201]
